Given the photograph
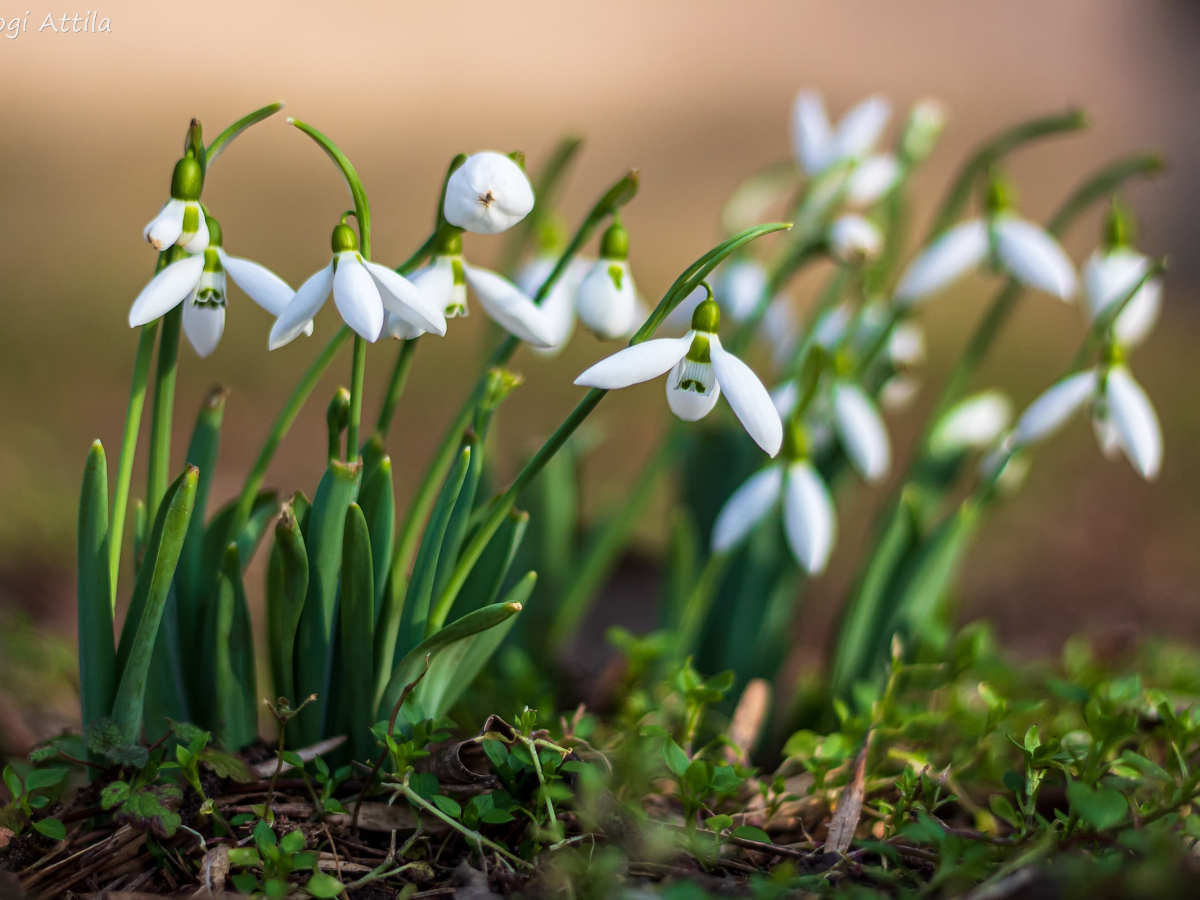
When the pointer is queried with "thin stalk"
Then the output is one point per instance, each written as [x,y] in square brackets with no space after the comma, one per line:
[283,423]
[133,422]
[395,387]
[699,601]
[162,411]
[358,369]
[473,836]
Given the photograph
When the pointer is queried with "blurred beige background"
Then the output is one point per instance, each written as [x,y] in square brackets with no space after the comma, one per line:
[694,93]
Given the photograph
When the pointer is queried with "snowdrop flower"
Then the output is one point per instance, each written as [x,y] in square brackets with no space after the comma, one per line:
[795,486]
[362,291]
[1123,416]
[444,284]
[698,370]
[607,298]
[558,306]
[854,240]
[1114,270]
[181,221]
[860,430]
[487,194]
[198,281]
[740,287]
[819,147]
[1015,245]
[922,130]
[972,424]
[906,353]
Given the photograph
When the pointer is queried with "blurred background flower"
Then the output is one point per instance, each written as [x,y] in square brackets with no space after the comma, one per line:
[694,93]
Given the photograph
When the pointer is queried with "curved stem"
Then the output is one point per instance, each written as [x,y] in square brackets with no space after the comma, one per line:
[162,411]
[133,422]
[399,377]
[358,368]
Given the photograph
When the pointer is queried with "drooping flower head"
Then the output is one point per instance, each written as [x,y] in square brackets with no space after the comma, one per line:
[487,194]
[855,240]
[1111,272]
[698,370]
[558,306]
[606,301]
[444,284]
[181,221]
[198,281]
[362,291]
[793,485]
[1011,244]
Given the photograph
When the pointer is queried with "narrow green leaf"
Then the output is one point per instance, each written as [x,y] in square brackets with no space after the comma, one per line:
[413,664]
[378,501]
[287,585]
[487,578]
[314,643]
[97,653]
[149,598]
[355,687]
[403,618]
[223,140]
[456,667]
[236,722]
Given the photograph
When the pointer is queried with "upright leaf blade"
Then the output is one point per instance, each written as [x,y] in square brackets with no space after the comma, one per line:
[201,453]
[287,585]
[236,695]
[355,687]
[323,540]
[97,653]
[140,631]
[488,577]
[378,501]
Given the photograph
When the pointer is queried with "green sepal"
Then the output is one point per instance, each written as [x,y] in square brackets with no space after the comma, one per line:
[236,708]
[314,639]
[355,686]
[287,585]
[149,599]
[378,501]
[97,653]
[462,630]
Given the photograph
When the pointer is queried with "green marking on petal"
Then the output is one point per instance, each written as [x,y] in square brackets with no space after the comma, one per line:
[617,274]
[458,270]
[699,351]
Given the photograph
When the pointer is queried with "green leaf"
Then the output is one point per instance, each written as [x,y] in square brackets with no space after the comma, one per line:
[40,779]
[457,666]
[314,639]
[402,619]
[52,828]
[698,777]
[324,886]
[223,140]
[356,676]
[1101,807]
[152,808]
[483,585]
[378,502]
[750,833]
[236,695]
[677,760]
[292,842]
[97,652]
[140,631]
[413,664]
[228,765]
[244,856]
[1003,808]
[287,585]
[447,805]
[114,794]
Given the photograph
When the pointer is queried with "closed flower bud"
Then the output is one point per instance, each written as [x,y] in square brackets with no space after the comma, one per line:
[606,301]
[922,130]
[854,240]
[487,194]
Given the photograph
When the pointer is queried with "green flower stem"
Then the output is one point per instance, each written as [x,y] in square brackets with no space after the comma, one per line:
[133,422]
[358,368]
[283,423]
[473,836]
[162,411]
[396,383]
[604,548]
[225,138]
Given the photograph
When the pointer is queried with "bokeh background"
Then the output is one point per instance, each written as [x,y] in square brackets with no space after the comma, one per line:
[695,94]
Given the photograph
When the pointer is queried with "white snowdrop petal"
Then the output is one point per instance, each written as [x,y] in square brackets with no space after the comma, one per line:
[436,282]
[861,127]
[872,179]
[356,297]
[165,228]
[861,430]
[166,290]
[1136,422]
[636,364]
[781,328]
[1140,315]
[203,326]
[809,519]
[487,194]
[740,288]
[947,259]
[1034,257]
[1107,436]
[396,327]
[689,404]
[404,299]
[606,301]
[199,241]
[898,393]
[746,507]
[750,401]
[259,283]
[975,422]
[785,397]
[812,135]
[854,240]
[502,301]
[1107,278]
[906,346]
[303,307]
[1054,406]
